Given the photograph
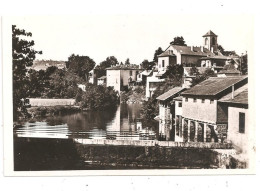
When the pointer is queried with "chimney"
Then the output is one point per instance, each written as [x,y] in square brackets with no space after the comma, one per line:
[191,48]
[202,49]
[212,49]
[232,95]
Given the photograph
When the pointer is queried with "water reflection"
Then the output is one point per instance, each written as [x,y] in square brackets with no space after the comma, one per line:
[124,123]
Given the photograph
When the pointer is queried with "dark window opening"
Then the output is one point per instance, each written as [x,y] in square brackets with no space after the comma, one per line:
[211,101]
[163,63]
[186,99]
[241,122]
[180,104]
[194,100]
[203,101]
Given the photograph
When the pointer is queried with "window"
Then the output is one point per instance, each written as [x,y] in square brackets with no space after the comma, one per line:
[202,100]
[131,72]
[186,99]
[206,41]
[163,63]
[211,101]
[180,104]
[241,122]
[194,100]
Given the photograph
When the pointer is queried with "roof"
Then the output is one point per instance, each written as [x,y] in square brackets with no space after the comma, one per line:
[166,53]
[213,86]
[146,72]
[209,33]
[216,57]
[229,69]
[179,98]
[240,96]
[102,78]
[186,50]
[124,67]
[172,92]
[161,73]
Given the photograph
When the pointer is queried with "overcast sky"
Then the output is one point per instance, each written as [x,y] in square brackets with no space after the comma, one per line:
[131,36]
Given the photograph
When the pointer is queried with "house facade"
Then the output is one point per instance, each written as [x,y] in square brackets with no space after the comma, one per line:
[119,76]
[238,119]
[167,113]
[204,118]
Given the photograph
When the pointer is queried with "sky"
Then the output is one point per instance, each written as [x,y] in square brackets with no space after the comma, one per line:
[131,36]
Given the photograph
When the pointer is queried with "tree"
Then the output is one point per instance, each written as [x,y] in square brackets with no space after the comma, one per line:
[175,71]
[147,65]
[23,56]
[244,64]
[178,41]
[80,65]
[101,68]
[127,62]
[201,77]
[226,53]
[157,52]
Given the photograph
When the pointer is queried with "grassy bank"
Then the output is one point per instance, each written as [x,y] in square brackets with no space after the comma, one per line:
[44,111]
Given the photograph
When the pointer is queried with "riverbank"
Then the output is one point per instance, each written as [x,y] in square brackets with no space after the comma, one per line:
[45,111]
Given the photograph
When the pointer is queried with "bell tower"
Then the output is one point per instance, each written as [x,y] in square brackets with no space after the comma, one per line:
[210,41]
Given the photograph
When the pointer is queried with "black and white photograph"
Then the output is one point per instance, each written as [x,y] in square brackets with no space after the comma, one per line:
[102,93]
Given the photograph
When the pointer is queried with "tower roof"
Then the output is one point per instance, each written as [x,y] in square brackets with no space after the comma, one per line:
[210,33]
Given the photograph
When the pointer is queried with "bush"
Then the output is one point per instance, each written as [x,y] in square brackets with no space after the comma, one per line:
[99,97]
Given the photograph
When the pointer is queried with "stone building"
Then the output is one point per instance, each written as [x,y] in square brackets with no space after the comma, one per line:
[167,113]
[238,118]
[102,80]
[120,76]
[204,117]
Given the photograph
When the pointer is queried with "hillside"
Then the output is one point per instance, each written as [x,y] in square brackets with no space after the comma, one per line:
[44,64]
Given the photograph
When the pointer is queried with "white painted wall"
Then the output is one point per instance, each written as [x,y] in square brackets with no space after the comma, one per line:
[113,79]
[206,111]
[238,139]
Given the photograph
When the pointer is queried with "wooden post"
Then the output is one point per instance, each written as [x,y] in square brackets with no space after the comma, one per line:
[205,132]
[188,130]
[196,131]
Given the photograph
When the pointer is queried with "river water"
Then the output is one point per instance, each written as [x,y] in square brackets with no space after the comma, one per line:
[48,143]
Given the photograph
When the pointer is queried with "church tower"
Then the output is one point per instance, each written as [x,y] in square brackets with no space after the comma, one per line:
[210,41]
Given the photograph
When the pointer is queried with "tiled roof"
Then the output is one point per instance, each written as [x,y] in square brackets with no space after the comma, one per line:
[170,93]
[186,50]
[179,98]
[240,96]
[213,86]
[166,53]
[124,67]
[210,33]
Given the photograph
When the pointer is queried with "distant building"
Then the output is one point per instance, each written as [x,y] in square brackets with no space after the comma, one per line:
[101,80]
[121,76]
[82,87]
[204,118]
[153,81]
[92,77]
[167,113]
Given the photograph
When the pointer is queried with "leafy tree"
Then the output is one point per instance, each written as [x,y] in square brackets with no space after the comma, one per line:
[80,65]
[194,70]
[201,77]
[127,62]
[99,98]
[101,68]
[178,41]
[23,56]
[157,52]
[244,64]
[175,71]
[226,53]
[147,65]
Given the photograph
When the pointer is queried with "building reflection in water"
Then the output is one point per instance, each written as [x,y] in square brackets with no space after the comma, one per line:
[123,123]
